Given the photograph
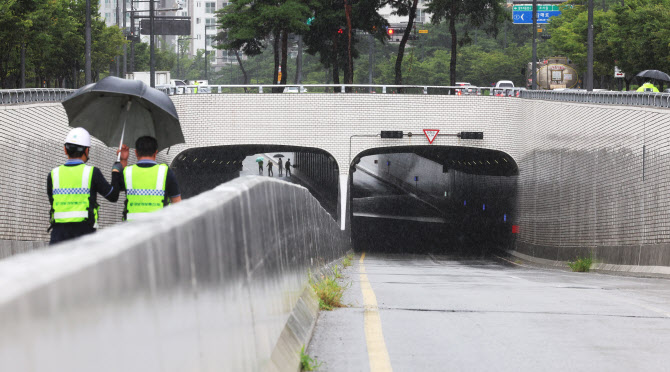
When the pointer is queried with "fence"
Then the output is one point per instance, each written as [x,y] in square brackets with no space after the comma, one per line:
[33,95]
[14,96]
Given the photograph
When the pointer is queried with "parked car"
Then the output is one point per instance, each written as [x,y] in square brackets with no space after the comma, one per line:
[180,86]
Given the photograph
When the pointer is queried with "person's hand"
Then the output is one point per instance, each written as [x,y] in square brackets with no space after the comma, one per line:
[125,152]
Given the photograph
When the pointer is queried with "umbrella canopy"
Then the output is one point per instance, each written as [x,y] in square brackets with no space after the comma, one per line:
[654,74]
[114,109]
[260,159]
[278,156]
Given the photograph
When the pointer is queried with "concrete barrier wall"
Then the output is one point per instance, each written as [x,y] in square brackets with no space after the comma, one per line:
[206,285]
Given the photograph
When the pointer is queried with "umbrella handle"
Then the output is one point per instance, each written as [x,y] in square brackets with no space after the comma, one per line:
[123,131]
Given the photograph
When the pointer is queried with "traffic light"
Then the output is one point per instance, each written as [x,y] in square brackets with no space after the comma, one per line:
[340,31]
[472,135]
[390,31]
[391,134]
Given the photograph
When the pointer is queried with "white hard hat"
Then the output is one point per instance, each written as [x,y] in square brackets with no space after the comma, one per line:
[79,136]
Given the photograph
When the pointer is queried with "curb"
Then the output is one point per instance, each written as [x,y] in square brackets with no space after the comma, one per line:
[299,327]
[627,270]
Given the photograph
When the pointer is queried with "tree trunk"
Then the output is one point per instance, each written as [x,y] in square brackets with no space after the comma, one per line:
[403,42]
[276,46]
[349,74]
[23,65]
[454,42]
[244,72]
[336,65]
[298,62]
[284,57]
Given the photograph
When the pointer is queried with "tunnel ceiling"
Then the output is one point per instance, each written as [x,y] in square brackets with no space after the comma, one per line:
[469,160]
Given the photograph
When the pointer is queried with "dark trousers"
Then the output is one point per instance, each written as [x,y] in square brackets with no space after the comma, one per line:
[270,172]
[288,172]
[66,231]
[280,168]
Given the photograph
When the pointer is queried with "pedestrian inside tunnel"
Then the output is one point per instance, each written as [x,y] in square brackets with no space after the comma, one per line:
[432,199]
[204,168]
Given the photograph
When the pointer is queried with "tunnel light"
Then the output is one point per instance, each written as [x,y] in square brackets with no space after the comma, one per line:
[505,217]
[465,202]
[213,161]
[483,207]
[472,135]
[195,159]
[487,162]
[391,134]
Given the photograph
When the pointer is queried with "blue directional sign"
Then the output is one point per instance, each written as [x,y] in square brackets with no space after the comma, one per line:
[523,14]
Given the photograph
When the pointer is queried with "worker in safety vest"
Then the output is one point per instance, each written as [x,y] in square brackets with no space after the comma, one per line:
[149,186]
[73,187]
[647,87]
[195,90]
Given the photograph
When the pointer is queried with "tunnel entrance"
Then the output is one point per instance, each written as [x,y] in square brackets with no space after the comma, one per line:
[440,200]
[204,168]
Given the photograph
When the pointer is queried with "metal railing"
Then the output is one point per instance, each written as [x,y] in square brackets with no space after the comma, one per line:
[331,88]
[662,100]
[602,97]
[32,95]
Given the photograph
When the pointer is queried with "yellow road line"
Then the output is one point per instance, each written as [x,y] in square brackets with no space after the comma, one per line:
[374,337]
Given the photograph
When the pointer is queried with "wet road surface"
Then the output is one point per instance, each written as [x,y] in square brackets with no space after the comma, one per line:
[441,313]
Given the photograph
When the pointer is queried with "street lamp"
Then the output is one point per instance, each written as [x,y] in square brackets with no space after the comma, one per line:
[179,53]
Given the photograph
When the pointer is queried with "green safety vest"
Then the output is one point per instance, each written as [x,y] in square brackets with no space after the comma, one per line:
[71,194]
[647,87]
[145,190]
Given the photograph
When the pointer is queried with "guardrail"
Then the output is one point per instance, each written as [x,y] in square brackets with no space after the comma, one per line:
[14,96]
[326,88]
[605,97]
[32,95]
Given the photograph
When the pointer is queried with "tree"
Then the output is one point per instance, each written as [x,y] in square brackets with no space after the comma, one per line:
[403,8]
[482,14]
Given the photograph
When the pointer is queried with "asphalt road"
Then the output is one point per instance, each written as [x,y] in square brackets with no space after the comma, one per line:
[439,313]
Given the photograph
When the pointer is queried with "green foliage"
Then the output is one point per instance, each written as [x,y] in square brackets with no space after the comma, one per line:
[346,262]
[336,272]
[329,292]
[635,36]
[581,264]
[51,32]
[307,363]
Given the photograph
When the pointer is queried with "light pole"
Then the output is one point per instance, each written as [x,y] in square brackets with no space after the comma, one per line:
[87,48]
[534,63]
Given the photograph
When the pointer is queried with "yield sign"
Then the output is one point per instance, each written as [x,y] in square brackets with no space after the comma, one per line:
[431,134]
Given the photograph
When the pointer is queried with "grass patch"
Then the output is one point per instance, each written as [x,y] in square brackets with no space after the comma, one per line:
[307,363]
[581,264]
[329,292]
[336,272]
[346,262]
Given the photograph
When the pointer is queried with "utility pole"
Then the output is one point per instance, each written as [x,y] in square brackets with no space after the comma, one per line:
[125,46]
[152,58]
[132,37]
[87,50]
[589,52]
[534,66]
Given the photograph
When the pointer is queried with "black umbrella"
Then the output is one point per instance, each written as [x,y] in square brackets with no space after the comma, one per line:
[114,110]
[278,156]
[654,74]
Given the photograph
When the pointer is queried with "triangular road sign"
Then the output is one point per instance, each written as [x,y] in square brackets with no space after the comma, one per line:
[431,134]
